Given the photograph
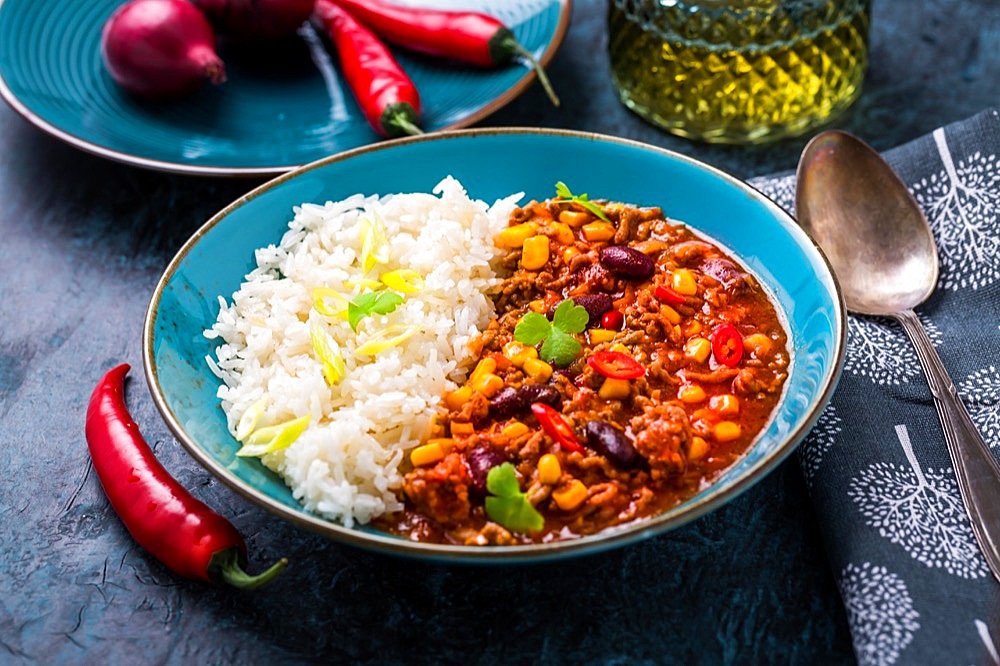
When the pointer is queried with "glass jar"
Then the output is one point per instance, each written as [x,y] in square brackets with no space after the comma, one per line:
[738,71]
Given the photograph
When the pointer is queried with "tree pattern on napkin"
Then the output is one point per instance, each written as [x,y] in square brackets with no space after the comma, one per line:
[915,586]
[920,510]
[880,611]
[961,203]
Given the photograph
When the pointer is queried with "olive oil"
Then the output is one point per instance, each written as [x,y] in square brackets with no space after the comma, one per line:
[738,71]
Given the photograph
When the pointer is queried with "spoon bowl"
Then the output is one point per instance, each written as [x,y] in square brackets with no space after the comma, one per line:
[868,224]
[882,251]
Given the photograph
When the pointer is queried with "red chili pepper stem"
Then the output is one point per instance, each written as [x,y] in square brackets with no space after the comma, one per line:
[226,566]
[400,119]
[172,525]
[504,45]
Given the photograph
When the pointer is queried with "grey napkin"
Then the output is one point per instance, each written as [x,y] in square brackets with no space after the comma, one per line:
[913,582]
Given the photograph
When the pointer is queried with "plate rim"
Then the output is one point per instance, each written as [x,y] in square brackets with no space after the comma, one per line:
[373,540]
[528,77]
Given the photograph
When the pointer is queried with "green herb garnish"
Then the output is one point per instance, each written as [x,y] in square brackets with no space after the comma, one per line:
[563,193]
[507,505]
[559,346]
[371,302]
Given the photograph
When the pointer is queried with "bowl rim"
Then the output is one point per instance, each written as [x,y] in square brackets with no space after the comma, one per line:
[25,110]
[373,540]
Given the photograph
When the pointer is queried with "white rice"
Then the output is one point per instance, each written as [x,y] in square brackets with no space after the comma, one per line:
[346,465]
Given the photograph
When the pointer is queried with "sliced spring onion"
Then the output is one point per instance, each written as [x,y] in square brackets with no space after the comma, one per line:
[374,246]
[328,352]
[329,302]
[390,336]
[405,280]
[273,438]
[250,418]
[364,283]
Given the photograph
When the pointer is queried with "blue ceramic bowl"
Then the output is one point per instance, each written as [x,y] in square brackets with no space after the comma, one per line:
[283,105]
[492,164]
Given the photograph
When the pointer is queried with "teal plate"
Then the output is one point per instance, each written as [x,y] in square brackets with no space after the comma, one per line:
[492,163]
[284,105]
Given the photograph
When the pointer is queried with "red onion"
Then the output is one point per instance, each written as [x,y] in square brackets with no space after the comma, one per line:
[160,48]
[257,19]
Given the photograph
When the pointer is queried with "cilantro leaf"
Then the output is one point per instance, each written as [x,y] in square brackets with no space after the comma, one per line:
[563,192]
[507,505]
[532,329]
[570,317]
[560,348]
[558,344]
[371,302]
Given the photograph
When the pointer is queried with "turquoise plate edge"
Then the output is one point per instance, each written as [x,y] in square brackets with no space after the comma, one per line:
[65,92]
[174,350]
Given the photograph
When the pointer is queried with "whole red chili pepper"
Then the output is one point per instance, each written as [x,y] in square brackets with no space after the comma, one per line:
[470,37]
[385,93]
[176,528]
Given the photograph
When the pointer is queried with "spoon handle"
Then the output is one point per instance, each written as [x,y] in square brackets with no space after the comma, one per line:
[976,469]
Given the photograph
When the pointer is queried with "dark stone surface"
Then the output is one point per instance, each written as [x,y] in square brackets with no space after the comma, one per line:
[83,242]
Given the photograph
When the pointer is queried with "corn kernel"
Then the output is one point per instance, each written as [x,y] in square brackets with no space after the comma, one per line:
[758,344]
[563,233]
[691,394]
[693,327]
[670,314]
[517,352]
[537,305]
[515,236]
[619,347]
[615,389]
[569,253]
[574,218]
[683,282]
[698,448]
[549,469]
[486,366]
[697,349]
[726,431]
[462,429]
[428,454]
[599,335]
[535,253]
[488,384]
[703,414]
[455,399]
[571,495]
[514,429]
[725,404]
[598,231]
[538,370]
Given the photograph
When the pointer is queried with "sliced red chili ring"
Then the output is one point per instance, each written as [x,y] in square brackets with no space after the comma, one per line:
[616,365]
[727,345]
[613,320]
[556,426]
[668,295]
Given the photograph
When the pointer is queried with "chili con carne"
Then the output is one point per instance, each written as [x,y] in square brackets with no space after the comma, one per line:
[470,37]
[386,94]
[175,527]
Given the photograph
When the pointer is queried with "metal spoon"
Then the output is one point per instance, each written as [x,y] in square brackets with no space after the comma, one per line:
[882,251]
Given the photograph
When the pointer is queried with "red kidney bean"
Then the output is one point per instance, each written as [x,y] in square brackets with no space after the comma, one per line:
[480,461]
[626,262]
[611,442]
[530,393]
[595,305]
